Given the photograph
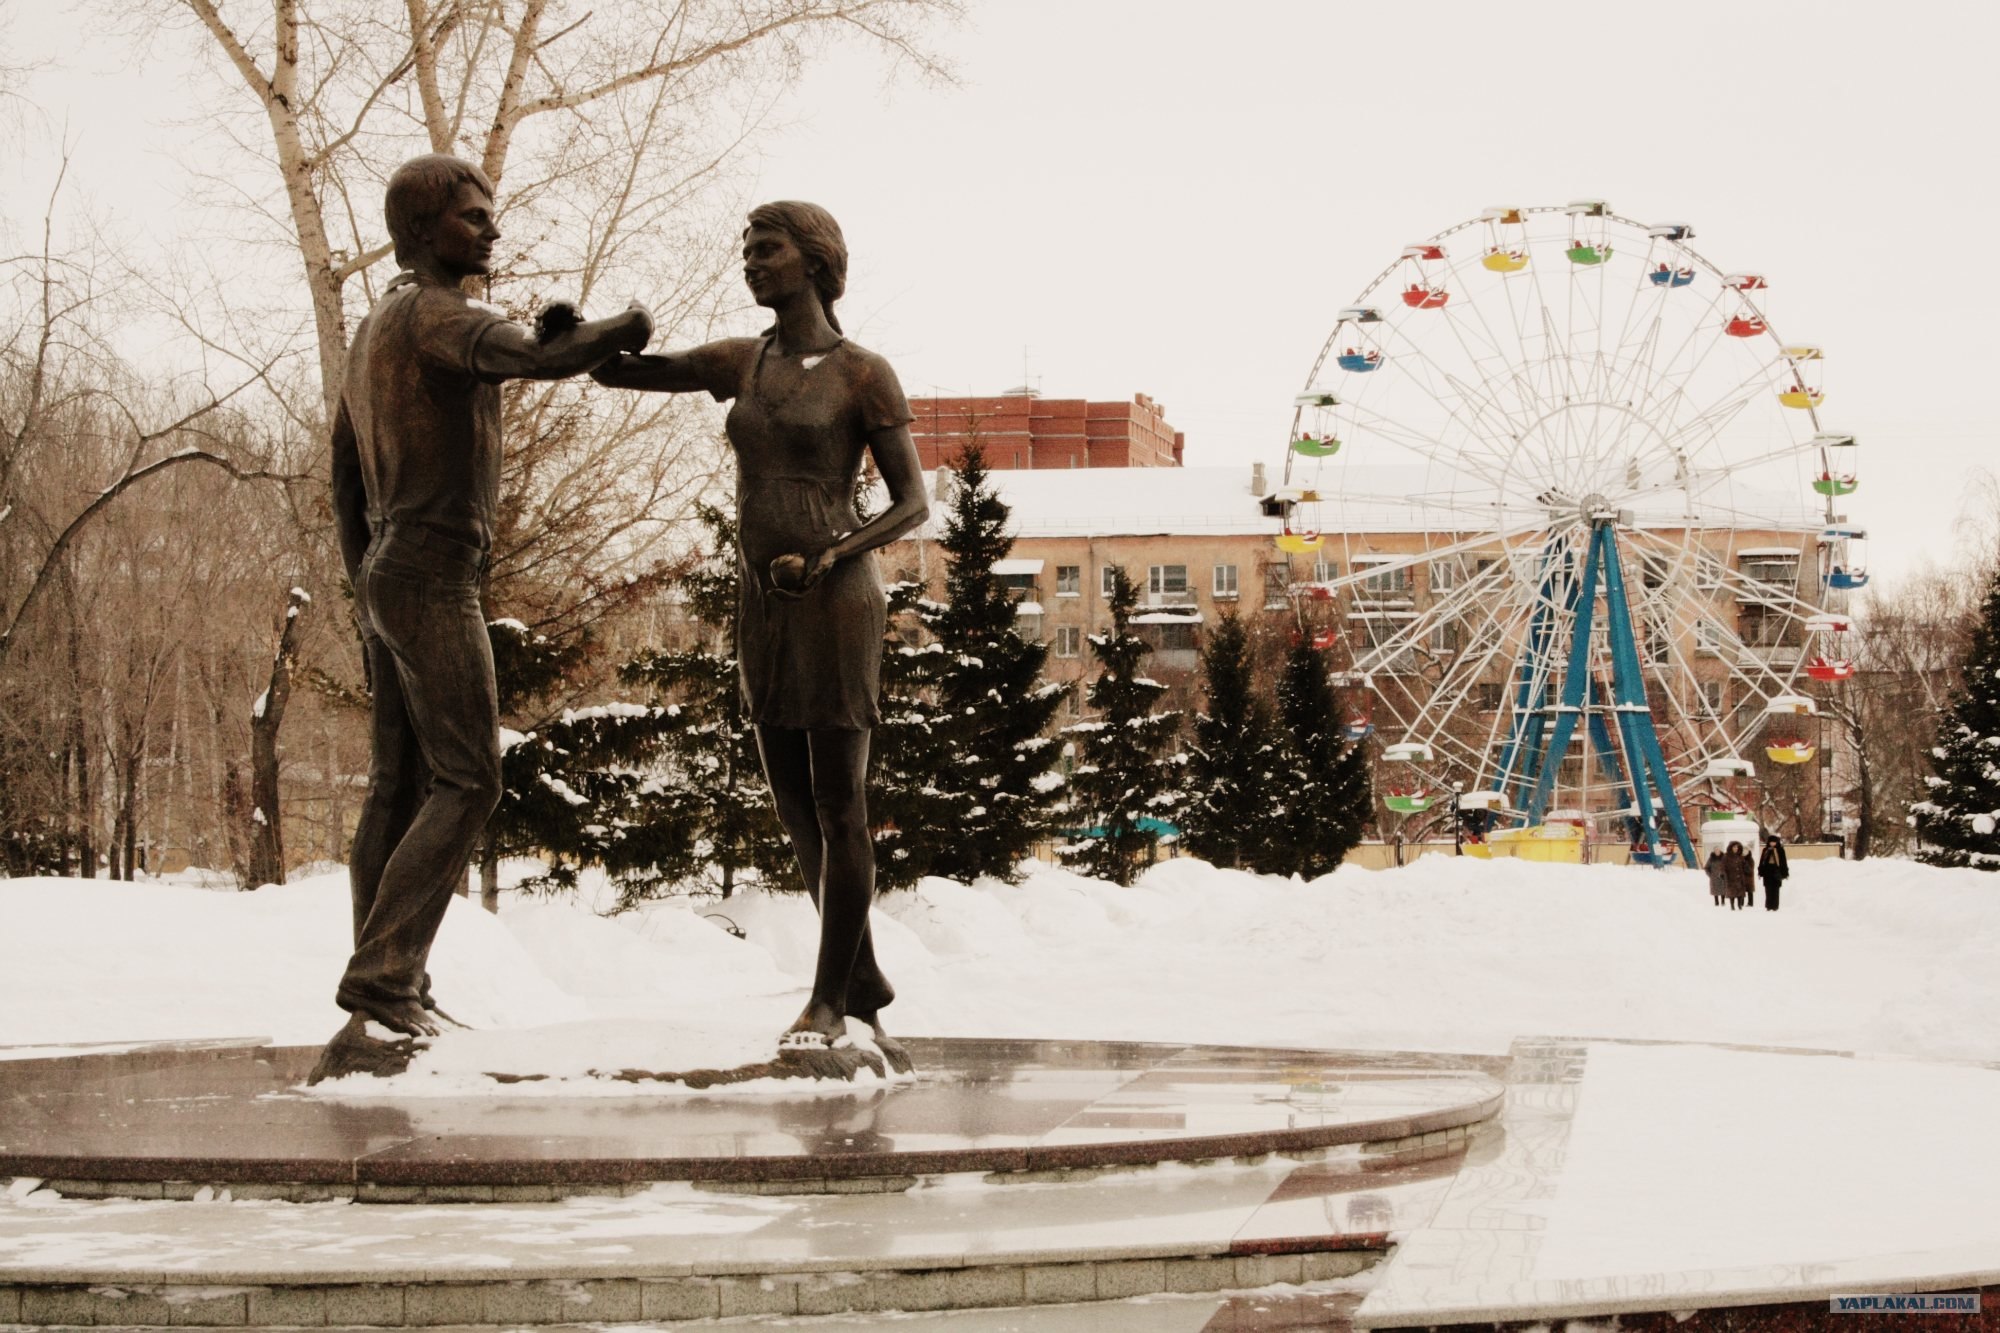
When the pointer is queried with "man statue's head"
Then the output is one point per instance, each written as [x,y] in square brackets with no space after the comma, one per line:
[440,215]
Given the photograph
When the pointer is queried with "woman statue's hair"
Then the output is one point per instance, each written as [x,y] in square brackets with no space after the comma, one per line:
[818,237]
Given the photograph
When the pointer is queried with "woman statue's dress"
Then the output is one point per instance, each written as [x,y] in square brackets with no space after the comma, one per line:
[809,660]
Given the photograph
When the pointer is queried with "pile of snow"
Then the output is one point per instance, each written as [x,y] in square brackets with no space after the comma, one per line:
[1454,955]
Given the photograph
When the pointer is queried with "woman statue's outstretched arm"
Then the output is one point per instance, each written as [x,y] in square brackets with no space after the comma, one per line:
[659,372]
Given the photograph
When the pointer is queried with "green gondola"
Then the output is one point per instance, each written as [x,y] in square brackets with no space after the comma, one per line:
[1588,254]
[1315,446]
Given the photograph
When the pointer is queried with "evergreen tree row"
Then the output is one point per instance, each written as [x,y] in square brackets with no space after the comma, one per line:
[1958,821]
[1283,795]
[964,777]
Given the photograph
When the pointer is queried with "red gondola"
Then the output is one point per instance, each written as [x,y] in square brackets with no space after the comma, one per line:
[1325,639]
[1423,250]
[1822,668]
[1419,297]
[1745,326]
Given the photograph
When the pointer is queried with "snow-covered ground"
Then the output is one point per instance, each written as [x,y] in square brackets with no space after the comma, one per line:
[1454,955]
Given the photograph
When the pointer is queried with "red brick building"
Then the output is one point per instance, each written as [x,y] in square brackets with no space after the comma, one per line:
[1022,430]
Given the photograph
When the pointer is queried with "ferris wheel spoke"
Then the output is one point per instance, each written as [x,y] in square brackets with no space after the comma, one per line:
[1488,468]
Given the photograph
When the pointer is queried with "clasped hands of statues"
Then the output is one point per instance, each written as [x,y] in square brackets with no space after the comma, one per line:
[792,575]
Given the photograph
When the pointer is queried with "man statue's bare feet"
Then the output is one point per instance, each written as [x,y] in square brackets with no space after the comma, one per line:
[405,1016]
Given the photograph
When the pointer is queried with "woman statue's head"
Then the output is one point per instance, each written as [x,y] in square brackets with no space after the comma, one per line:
[812,230]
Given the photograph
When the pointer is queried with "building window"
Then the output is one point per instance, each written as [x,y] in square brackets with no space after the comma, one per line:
[1444,637]
[1711,698]
[1763,627]
[1387,583]
[1780,571]
[1447,574]
[1069,641]
[1225,581]
[1069,580]
[1707,638]
[1105,580]
[1167,581]
[1076,700]
[1019,587]
[1490,694]
[1277,584]
[1325,570]
[1175,638]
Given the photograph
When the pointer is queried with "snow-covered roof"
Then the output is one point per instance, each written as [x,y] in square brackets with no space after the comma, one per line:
[1219,501]
[1017,566]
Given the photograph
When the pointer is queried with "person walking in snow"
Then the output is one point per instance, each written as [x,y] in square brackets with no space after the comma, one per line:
[1774,869]
[1717,877]
[1736,871]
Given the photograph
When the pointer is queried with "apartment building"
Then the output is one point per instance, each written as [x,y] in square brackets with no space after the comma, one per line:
[1021,429]
[1199,543]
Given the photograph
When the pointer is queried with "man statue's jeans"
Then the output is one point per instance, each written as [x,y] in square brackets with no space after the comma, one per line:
[435,776]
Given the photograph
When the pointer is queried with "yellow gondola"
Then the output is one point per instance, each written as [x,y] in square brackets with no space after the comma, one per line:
[1505,261]
[1802,398]
[1299,543]
[1793,752]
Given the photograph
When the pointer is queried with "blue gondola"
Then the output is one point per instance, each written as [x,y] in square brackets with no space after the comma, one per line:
[1359,362]
[1846,580]
[1357,728]
[1671,277]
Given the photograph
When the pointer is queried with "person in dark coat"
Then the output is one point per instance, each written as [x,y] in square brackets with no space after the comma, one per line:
[1717,877]
[1736,872]
[1774,869]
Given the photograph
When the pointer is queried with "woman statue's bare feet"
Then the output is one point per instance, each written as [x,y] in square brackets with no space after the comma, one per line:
[866,1001]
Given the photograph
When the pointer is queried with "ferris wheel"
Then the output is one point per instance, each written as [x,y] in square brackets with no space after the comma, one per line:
[1576,521]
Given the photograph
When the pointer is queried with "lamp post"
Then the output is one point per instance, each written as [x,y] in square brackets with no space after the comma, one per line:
[1457,820]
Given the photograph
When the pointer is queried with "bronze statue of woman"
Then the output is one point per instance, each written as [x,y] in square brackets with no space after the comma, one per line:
[805,405]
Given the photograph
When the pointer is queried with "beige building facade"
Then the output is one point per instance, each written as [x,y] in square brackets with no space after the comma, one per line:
[1721,613]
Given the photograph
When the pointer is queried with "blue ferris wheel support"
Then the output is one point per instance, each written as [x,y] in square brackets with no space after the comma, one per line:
[1541,732]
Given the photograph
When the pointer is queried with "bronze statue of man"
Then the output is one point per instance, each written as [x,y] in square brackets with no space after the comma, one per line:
[416,488]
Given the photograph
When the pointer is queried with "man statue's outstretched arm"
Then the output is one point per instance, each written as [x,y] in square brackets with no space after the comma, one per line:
[509,352]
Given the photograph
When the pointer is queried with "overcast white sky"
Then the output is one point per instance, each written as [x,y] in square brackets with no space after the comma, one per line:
[1177,198]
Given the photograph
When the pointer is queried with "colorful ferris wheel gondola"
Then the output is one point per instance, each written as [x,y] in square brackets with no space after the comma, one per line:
[1507,240]
[1830,664]
[1784,714]
[1666,274]
[1359,360]
[1838,474]
[1588,240]
[1357,726]
[1748,324]
[1844,556]
[1804,390]
[1408,795]
[1424,288]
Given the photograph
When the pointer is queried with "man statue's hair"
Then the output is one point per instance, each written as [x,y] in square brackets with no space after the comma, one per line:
[419,192]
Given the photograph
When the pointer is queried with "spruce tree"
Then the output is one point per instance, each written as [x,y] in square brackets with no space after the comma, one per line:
[1327,797]
[709,776]
[964,775]
[1123,786]
[1958,821]
[1232,761]
[574,789]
